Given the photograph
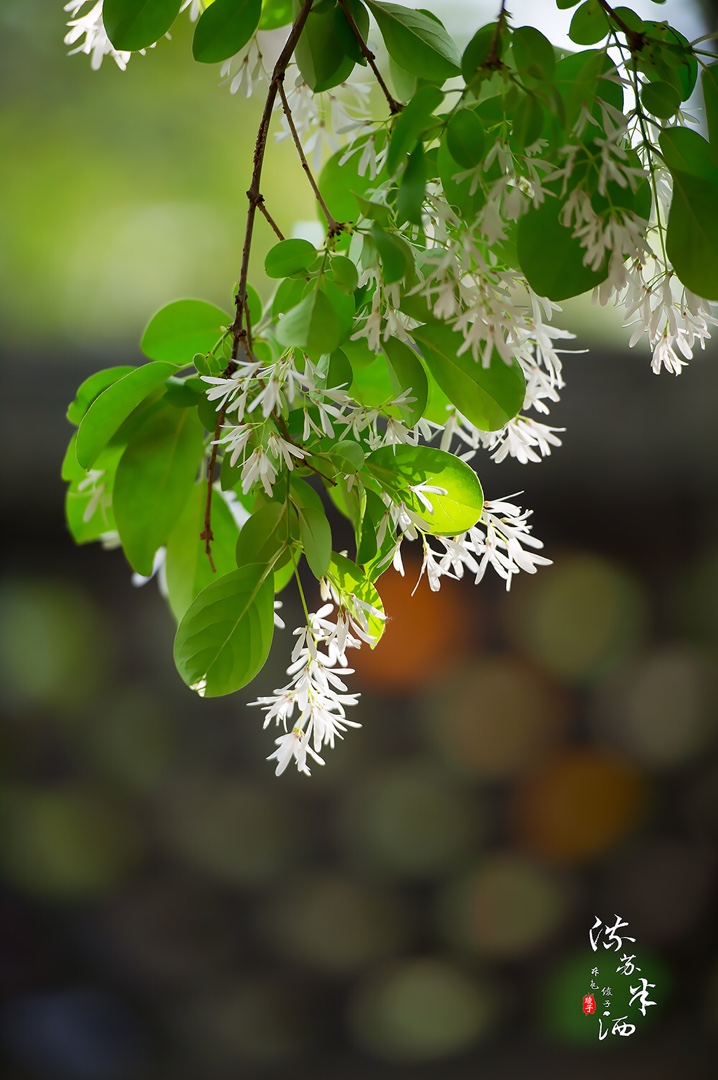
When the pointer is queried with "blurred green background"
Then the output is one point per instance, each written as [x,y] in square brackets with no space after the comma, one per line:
[529,760]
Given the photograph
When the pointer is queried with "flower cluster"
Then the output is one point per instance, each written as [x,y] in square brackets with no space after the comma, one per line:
[316,692]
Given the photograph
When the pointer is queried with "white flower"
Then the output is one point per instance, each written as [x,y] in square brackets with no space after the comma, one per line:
[258,466]
[97,45]
[315,691]
[282,450]
[293,745]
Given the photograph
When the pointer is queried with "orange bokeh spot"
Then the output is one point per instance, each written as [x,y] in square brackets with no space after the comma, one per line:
[578,805]
[426,634]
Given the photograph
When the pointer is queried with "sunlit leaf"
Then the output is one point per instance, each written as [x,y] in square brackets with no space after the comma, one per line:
[224,638]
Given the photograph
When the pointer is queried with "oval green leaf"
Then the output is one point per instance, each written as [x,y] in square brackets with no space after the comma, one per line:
[180,329]
[397,468]
[187,568]
[314,528]
[154,480]
[487,396]
[224,638]
[289,257]
[224,28]
[418,42]
[110,410]
[136,24]
[465,138]
[551,257]
[91,388]
[312,325]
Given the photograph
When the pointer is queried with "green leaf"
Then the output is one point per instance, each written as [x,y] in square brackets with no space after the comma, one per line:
[345,33]
[397,468]
[417,42]
[686,151]
[289,257]
[394,254]
[180,329]
[352,584]
[589,24]
[709,81]
[581,78]
[406,373]
[528,121]
[224,638]
[346,455]
[312,325]
[113,406]
[343,306]
[275,13]
[465,138]
[88,502]
[321,54]
[409,125]
[479,49]
[374,511]
[264,536]
[339,184]
[344,274]
[550,257]
[692,232]
[661,99]
[412,189]
[187,568]
[224,28]
[91,388]
[136,24]
[667,56]
[314,529]
[336,369]
[458,194]
[533,53]
[154,480]
[487,396]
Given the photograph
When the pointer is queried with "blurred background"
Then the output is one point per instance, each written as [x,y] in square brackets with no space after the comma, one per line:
[529,761]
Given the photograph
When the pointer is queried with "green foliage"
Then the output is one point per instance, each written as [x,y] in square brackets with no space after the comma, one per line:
[136,24]
[181,329]
[224,28]
[114,405]
[417,42]
[154,479]
[456,217]
[455,508]
[187,568]
[225,635]
[488,396]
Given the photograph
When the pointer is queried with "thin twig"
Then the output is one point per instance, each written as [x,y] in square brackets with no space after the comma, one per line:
[334,226]
[263,209]
[394,105]
[237,329]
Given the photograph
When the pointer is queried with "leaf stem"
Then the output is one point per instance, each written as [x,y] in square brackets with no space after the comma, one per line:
[394,105]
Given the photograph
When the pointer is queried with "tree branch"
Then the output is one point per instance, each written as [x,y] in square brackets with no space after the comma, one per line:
[394,105]
[239,333]
[634,40]
[334,226]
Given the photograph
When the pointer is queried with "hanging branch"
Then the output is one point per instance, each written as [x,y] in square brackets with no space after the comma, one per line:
[237,329]
[261,206]
[394,105]
[334,226]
